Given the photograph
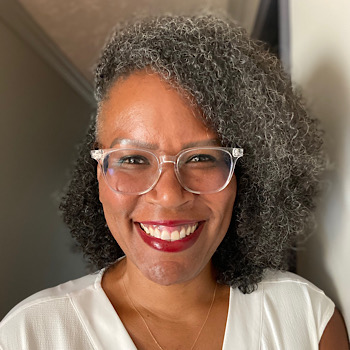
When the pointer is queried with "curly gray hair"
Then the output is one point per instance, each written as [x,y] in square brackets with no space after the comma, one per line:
[247,98]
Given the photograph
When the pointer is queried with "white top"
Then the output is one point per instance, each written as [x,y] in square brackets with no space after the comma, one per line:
[285,312]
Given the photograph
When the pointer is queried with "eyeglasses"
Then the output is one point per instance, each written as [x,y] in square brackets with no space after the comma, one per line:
[136,171]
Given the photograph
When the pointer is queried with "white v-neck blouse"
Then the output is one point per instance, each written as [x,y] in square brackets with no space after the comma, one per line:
[285,312]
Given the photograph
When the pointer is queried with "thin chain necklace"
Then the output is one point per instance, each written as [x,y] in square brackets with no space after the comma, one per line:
[148,329]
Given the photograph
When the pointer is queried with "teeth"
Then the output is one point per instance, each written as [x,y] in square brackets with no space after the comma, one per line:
[175,236]
[183,233]
[165,236]
[168,234]
[145,228]
[157,233]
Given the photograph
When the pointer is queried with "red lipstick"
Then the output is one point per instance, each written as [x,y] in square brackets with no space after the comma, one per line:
[168,246]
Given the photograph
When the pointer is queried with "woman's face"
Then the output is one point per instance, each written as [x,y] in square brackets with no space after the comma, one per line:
[144,111]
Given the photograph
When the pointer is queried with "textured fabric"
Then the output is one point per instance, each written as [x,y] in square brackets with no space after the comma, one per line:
[286,312]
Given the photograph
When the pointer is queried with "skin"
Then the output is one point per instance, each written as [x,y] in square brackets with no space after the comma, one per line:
[173,291]
[143,108]
[335,335]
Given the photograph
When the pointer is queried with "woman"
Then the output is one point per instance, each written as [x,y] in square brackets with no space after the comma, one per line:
[191,244]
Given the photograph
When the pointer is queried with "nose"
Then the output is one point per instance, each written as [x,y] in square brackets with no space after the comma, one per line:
[168,192]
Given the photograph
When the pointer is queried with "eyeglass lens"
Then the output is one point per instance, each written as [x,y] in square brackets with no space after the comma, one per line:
[198,170]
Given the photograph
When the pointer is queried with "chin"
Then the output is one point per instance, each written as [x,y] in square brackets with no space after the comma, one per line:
[168,273]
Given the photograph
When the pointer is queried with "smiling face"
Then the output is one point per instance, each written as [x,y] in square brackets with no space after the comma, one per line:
[144,111]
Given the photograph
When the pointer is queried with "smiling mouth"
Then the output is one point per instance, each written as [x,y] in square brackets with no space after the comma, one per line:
[169,233]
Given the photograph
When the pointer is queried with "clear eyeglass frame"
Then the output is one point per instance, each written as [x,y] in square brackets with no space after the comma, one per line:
[234,153]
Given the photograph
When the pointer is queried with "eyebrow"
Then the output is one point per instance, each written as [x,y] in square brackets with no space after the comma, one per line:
[142,144]
[131,142]
[210,142]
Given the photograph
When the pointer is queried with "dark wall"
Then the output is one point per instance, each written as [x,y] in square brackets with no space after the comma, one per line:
[42,119]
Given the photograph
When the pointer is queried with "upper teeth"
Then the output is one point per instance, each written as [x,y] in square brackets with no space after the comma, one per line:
[169,233]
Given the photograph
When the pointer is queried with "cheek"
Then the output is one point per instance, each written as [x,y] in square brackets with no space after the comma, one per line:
[228,204]
[226,200]
[117,208]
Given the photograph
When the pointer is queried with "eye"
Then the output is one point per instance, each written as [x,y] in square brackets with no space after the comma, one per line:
[201,158]
[133,160]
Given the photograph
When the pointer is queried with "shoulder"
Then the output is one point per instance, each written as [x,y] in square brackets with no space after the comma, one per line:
[282,279]
[52,295]
[49,309]
[285,312]
[279,283]
[283,286]
[294,302]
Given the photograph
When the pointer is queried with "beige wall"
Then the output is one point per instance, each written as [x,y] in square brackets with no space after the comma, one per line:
[320,62]
[42,119]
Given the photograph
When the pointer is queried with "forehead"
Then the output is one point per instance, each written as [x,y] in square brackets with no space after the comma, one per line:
[145,107]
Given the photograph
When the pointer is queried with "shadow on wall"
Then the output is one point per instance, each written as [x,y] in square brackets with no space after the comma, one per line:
[324,257]
[42,120]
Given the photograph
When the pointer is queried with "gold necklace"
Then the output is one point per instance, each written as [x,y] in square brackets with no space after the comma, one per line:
[149,330]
